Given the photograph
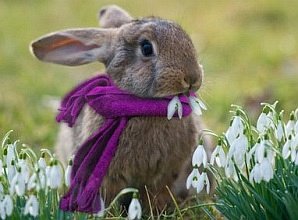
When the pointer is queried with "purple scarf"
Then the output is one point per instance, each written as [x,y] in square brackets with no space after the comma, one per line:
[93,157]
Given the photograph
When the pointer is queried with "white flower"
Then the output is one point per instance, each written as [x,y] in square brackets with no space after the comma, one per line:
[32,182]
[296,128]
[41,163]
[295,140]
[6,207]
[286,148]
[32,206]
[291,124]
[199,156]
[203,180]
[47,175]
[238,150]
[55,176]
[230,170]
[1,190]
[260,151]
[134,209]
[196,105]
[17,184]
[173,106]
[42,180]
[256,174]
[11,171]
[279,132]
[237,125]
[102,209]
[253,150]
[25,171]
[296,160]
[10,156]
[262,122]
[1,167]
[236,128]
[266,170]
[68,173]
[192,179]
[37,181]
[219,156]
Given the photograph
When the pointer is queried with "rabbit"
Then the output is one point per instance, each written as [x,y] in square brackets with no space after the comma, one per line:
[152,58]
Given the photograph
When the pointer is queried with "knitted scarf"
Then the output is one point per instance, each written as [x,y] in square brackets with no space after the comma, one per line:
[93,157]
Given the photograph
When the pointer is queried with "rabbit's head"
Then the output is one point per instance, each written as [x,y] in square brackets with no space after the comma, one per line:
[150,57]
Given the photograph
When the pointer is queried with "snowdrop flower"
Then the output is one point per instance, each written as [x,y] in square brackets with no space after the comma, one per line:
[102,209]
[287,147]
[32,206]
[296,160]
[1,168]
[173,106]
[291,124]
[266,170]
[42,162]
[192,179]
[32,182]
[255,174]
[262,149]
[9,154]
[199,156]
[68,173]
[238,150]
[1,190]
[11,171]
[230,170]
[293,150]
[37,181]
[54,175]
[25,171]
[296,128]
[203,180]
[134,209]
[236,128]
[279,132]
[218,155]
[262,122]
[196,105]
[231,134]
[18,184]
[265,120]
[6,207]
[253,150]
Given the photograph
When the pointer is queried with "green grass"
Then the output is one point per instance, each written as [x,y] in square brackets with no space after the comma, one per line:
[249,50]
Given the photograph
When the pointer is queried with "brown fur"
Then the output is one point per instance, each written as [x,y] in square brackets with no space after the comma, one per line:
[152,151]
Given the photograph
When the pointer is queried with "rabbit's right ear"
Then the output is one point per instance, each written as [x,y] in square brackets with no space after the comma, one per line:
[112,16]
[75,46]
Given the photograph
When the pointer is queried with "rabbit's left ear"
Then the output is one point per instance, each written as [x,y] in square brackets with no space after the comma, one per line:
[75,46]
[112,16]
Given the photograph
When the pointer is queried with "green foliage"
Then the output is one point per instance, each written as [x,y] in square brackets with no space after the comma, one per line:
[274,200]
[244,197]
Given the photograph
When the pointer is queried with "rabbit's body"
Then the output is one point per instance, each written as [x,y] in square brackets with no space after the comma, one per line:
[150,57]
[151,151]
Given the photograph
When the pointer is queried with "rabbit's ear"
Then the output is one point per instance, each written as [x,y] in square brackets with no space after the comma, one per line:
[75,46]
[112,16]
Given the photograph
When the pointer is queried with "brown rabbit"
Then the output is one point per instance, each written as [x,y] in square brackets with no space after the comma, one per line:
[149,57]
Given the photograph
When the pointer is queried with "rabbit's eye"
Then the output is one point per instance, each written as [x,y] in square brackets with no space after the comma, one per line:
[147,48]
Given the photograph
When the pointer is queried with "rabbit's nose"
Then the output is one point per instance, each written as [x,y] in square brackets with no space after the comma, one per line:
[193,81]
